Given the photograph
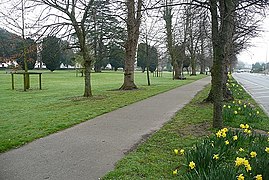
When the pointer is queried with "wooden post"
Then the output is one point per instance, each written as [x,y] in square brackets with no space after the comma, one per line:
[12,81]
[40,81]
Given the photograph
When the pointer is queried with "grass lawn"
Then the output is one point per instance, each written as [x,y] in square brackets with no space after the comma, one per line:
[33,114]
[155,158]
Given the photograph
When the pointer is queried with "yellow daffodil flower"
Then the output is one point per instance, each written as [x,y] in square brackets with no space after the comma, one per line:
[235,112]
[227,142]
[258,112]
[241,150]
[245,106]
[258,177]
[246,126]
[248,167]
[224,106]
[224,130]
[239,161]
[242,126]
[216,156]
[247,131]
[175,172]
[182,151]
[219,134]
[235,137]
[241,177]
[253,154]
[229,107]
[192,165]
[267,149]
[239,102]
[239,108]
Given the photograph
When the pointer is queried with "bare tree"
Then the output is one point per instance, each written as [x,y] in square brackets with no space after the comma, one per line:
[133,21]
[73,14]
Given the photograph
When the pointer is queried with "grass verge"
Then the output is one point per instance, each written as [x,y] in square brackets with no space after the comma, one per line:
[33,114]
[155,158]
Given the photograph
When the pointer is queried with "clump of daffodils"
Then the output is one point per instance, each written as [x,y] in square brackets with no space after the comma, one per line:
[238,152]
[222,133]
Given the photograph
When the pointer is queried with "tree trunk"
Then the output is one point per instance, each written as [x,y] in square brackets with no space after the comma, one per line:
[88,89]
[177,70]
[193,65]
[221,39]
[133,24]
[217,69]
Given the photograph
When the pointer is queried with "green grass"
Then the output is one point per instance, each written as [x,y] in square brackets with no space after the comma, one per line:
[155,159]
[33,114]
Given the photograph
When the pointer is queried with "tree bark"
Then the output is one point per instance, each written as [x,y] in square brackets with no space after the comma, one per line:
[133,23]
[221,37]
[217,69]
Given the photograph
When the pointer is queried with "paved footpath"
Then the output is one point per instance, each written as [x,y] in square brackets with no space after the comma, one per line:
[89,150]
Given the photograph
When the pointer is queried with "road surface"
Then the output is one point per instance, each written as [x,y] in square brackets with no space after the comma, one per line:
[258,87]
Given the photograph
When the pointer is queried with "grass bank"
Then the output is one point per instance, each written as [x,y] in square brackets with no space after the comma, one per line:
[156,159]
[33,114]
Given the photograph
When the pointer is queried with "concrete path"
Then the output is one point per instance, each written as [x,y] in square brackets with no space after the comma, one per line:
[89,150]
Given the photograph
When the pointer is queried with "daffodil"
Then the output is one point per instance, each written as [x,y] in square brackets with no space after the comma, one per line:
[219,134]
[192,165]
[245,106]
[239,108]
[258,177]
[246,126]
[224,106]
[239,161]
[247,131]
[216,156]
[235,137]
[182,151]
[233,102]
[229,106]
[242,126]
[248,167]
[176,151]
[241,177]
[175,172]
[267,149]
[258,112]
[239,102]
[235,112]
[227,142]
[241,150]
[224,130]
[245,162]
[253,154]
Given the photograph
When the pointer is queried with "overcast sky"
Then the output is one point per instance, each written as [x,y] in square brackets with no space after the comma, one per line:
[259,49]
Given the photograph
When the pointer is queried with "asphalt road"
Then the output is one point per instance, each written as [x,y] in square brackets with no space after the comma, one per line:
[258,87]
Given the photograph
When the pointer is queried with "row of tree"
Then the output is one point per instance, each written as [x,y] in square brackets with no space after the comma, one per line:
[195,31]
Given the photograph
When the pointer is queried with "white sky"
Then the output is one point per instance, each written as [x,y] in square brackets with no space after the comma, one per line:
[260,46]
